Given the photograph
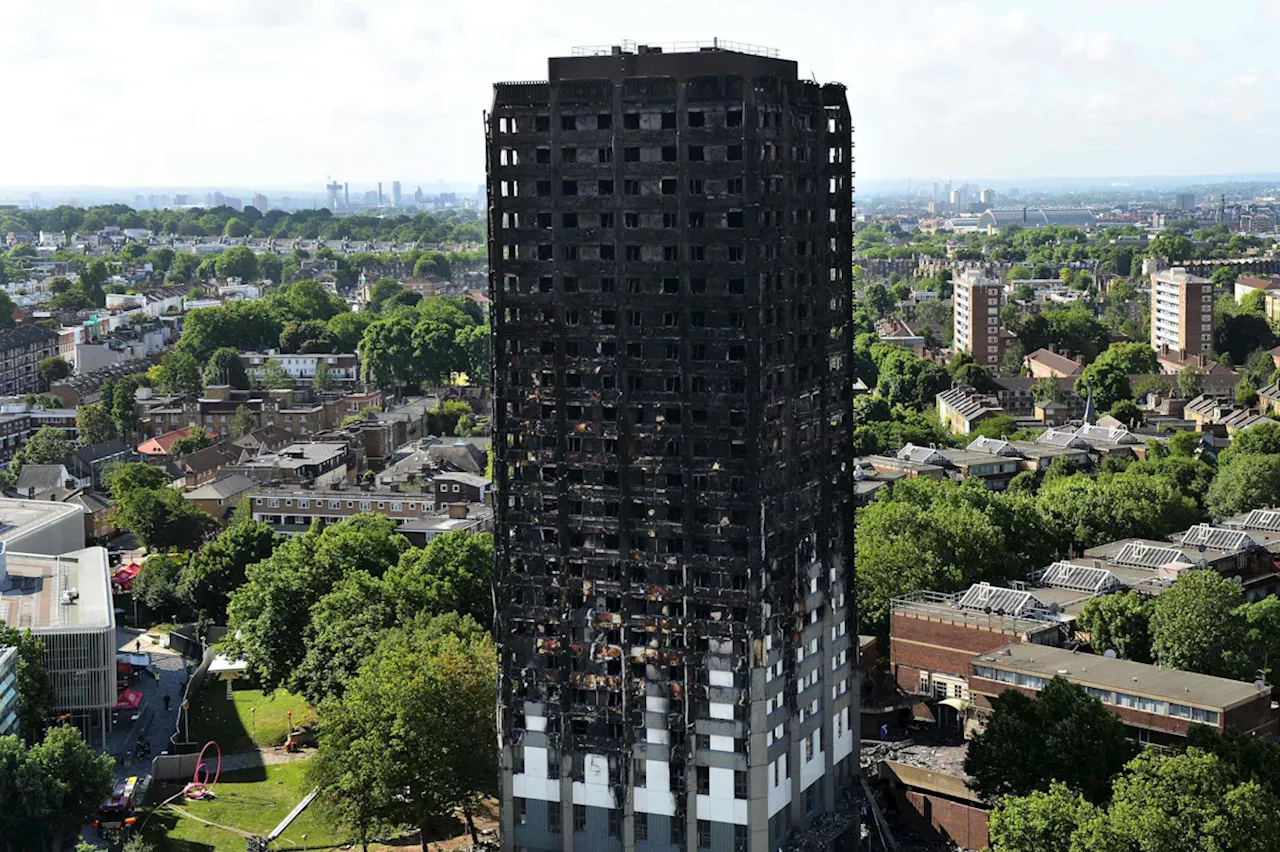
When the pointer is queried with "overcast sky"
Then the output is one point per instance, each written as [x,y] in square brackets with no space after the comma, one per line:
[284,92]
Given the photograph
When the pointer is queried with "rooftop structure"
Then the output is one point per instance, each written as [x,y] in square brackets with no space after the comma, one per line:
[1037,217]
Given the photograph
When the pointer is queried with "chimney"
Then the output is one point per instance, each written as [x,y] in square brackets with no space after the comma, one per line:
[457,511]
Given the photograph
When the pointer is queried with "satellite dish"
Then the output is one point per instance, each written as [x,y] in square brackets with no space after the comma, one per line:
[1110,653]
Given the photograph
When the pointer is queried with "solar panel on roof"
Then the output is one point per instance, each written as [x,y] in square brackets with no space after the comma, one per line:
[1138,555]
[1216,538]
[999,600]
[1080,578]
[1060,438]
[1262,519]
[922,455]
[993,446]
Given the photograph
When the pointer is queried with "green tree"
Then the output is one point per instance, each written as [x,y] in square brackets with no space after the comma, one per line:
[1188,802]
[354,769]
[1190,381]
[48,792]
[1120,622]
[226,368]
[1040,821]
[1108,375]
[121,479]
[94,425]
[453,573]
[33,685]
[1250,481]
[156,586]
[323,380]
[124,406]
[274,375]
[436,693]
[345,330]
[192,443]
[1063,734]
[221,566]
[180,373]
[52,369]
[1260,621]
[235,228]
[910,380]
[1087,512]
[1128,413]
[242,422]
[271,267]
[1184,444]
[1047,389]
[7,307]
[47,446]
[238,262]
[1262,439]
[387,352]
[1246,393]
[1193,628]
[307,336]
[382,290]
[162,518]
[999,426]
[271,609]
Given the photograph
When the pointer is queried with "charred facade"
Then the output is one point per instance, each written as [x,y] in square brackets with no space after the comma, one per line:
[669,244]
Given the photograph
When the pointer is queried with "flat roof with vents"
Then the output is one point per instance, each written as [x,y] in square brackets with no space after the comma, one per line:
[1188,688]
[48,594]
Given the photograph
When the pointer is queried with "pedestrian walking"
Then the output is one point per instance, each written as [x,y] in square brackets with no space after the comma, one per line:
[137,647]
[167,701]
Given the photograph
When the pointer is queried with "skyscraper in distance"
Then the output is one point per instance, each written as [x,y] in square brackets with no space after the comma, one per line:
[395,193]
[669,273]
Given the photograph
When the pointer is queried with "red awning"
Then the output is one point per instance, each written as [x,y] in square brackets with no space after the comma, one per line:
[129,699]
[125,575]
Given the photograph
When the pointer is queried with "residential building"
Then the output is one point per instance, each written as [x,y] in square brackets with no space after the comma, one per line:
[461,488]
[1269,287]
[160,448]
[662,223]
[99,515]
[1181,312]
[21,349]
[1157,705]
[318,463]
[203,466]
[87,463]
[343,369]
[45,481]
[291,510]
[8,690]
[218,499]
[977,301]
[54,586]
[1049,363]
[962,409]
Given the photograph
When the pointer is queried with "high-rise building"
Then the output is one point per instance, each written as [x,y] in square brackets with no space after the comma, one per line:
[977,301]
[260,202]
[395,193]
[1181,312]
[988,197]
[1186,201]
[671,328]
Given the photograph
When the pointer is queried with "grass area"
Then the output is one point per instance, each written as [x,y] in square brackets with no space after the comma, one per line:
[249,720]
[252,801]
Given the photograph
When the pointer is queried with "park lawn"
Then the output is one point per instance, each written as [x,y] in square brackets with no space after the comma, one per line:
[250,720]
[253,801]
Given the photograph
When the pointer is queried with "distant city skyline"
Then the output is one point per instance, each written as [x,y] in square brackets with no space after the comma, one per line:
[331,87]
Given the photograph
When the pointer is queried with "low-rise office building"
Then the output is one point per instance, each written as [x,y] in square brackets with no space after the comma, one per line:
[1156,704]
[54,586]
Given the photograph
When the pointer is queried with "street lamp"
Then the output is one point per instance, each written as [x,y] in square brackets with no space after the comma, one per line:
[253,714]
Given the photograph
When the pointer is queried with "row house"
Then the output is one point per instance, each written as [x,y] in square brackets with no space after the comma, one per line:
[21,349]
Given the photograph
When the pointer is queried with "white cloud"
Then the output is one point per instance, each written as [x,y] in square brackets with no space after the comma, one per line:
[276,92]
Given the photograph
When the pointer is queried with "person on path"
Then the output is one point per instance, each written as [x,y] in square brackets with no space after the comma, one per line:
[167,701]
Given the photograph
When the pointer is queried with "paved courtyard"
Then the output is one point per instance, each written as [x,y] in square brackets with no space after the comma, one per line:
[150,720]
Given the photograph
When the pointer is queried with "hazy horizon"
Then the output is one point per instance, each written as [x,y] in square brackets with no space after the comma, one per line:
[259,95]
